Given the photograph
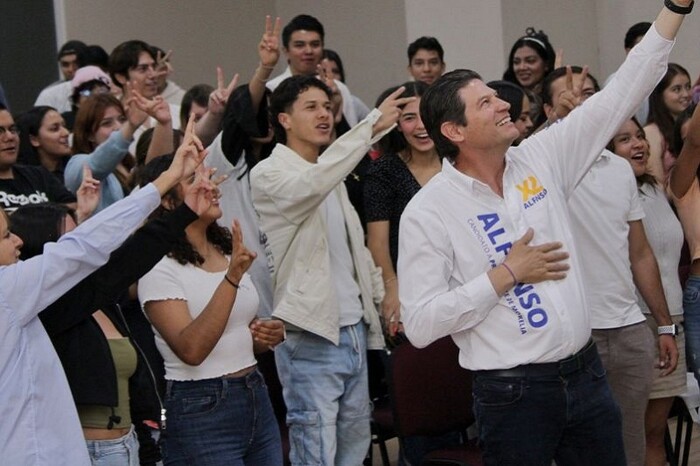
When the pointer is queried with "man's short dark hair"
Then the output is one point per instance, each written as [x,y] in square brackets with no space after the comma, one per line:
[299,22]
[70,48]
[284,97]
[442,103]
[635,32]
[198,94]
[558,73]
[125,56]
[93,55]
[427,43]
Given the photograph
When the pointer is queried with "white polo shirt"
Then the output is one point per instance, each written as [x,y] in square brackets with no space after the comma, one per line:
[601,207]
[456,229]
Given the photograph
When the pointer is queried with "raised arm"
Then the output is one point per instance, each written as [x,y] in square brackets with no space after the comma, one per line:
[686,168]
[269,54]
[210,124]
[295,195]
[133,259]
[158,109]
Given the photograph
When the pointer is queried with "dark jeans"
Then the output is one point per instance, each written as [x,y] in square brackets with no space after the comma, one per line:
[571,419]
[221,421]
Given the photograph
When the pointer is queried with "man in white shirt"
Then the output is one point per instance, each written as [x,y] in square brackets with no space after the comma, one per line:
[606,216]
[302,41]
[57,94]
[480,259]
[326,286]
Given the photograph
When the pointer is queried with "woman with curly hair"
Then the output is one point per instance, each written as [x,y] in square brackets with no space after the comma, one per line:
[202,306]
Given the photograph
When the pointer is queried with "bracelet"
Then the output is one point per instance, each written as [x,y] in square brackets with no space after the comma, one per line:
[266,67]
[680,10]
[392,279]
[515,280]
[233,284]
[264,81]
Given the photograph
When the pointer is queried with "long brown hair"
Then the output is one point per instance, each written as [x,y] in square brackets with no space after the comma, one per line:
[88,118]
[87,122]
[658,112]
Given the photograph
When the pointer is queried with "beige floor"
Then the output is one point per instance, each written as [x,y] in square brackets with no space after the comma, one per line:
[694,459]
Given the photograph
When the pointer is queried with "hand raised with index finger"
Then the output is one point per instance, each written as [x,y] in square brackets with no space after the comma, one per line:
[391,110]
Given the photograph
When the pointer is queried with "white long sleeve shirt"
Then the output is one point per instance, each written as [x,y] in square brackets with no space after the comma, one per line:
[39,423]
[456,229]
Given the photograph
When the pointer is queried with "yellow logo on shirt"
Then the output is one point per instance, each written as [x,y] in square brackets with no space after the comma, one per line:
[529,187]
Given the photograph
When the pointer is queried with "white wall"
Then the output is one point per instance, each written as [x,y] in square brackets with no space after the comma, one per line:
[371,36]
[470,31]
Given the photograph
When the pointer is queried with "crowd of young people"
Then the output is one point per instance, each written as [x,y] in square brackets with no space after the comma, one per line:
[530,219]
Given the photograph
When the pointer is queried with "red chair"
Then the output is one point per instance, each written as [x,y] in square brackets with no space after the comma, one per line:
[431,395]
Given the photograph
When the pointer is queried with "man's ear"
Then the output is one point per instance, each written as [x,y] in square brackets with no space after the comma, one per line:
[284,120]
[548,110]
[122,79]
[452,131]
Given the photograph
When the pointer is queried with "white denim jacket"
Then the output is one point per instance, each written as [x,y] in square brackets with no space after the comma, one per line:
[287,193]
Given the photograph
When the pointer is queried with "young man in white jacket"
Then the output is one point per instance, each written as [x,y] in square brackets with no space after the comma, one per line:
[326,286]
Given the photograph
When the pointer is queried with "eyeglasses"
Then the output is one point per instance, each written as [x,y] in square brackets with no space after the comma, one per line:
[14,130]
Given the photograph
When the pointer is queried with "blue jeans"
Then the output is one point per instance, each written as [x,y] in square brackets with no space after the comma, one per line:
[691,324]
[571,419]
[123,451]
[221,421]
[327,397]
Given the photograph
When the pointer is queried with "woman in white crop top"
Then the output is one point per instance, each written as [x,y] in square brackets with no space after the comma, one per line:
[202,305]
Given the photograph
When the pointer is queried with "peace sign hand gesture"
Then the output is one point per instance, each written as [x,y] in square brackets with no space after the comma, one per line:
[324,73]
[269,46]
[219,97]
[241,257]
[572,96]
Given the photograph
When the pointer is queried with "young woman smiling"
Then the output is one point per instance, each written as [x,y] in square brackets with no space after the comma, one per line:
[668,100]
[44,139]
[665,236]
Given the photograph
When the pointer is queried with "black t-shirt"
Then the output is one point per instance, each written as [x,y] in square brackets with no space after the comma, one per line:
[32,185]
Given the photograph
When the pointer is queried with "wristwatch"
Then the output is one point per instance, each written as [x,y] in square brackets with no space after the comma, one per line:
[667,330]
[681,10]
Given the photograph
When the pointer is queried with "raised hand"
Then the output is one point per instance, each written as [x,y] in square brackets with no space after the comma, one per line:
[88,195]
[163,66]
[269,46]
[572,96]
[219,97]
[559,59]
[391,110]
[157,107]
[241,257]
[203,191]
[134,114]
[534,264]
[324,73]
[189,155]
